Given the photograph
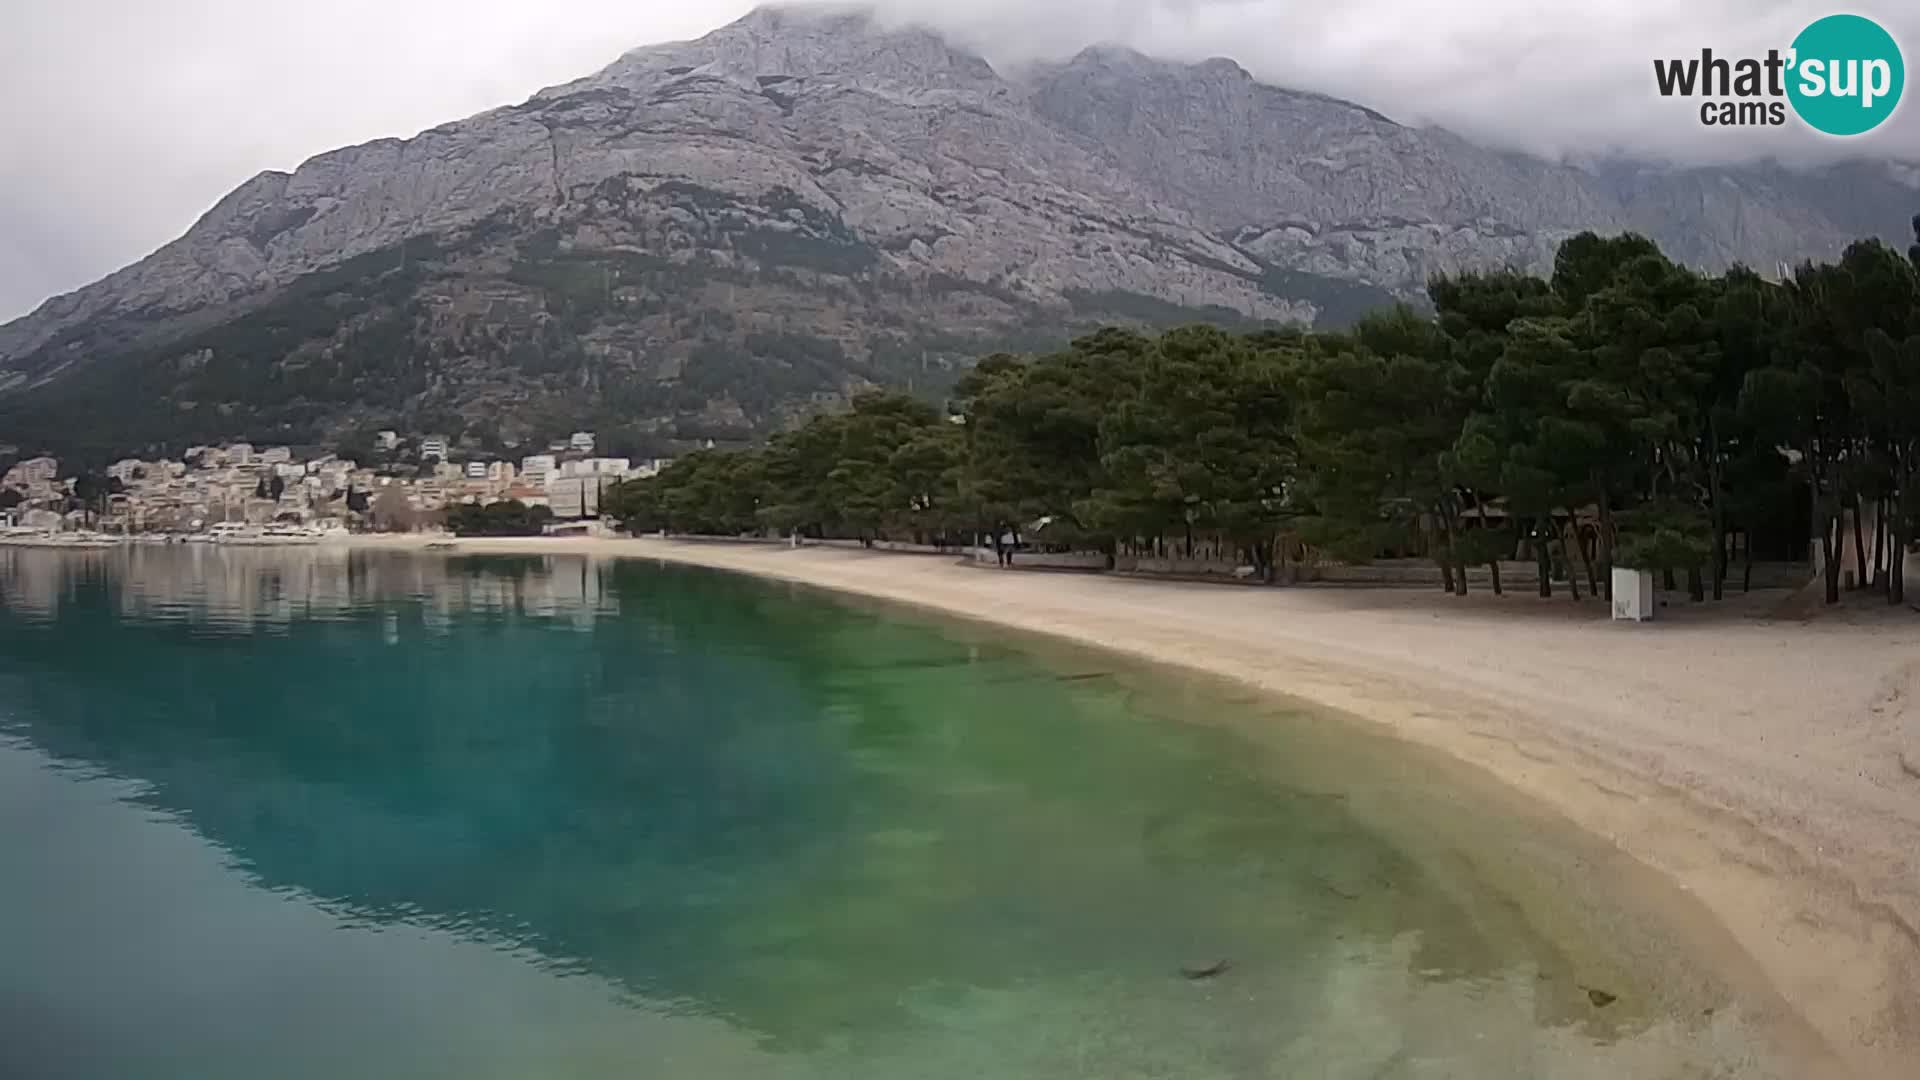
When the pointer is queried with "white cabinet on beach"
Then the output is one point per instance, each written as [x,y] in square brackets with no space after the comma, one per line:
[1632,595]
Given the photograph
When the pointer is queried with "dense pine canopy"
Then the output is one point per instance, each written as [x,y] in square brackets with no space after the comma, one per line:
[1628,411]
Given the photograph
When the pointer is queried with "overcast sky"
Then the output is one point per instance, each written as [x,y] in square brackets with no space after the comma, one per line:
[127,119]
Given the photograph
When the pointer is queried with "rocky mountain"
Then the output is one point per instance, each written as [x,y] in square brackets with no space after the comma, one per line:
[709,239]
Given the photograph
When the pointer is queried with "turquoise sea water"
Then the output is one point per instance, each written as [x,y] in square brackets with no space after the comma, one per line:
[318,814]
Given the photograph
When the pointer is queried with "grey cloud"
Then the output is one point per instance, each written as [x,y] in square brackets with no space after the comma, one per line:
[1556,79]
[143,113]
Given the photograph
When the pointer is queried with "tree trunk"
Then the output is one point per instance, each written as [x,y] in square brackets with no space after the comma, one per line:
[1603,545]
[1897,532]
[1831,550]
[1696,586]
[1859,547]
[1723,552]
[1746,556]
[1825,523]
[1880,567]
[1573,583]
[1493,564]
[1896,565]
[1587,562]
[1543,558]
[1717,497]
[1897,550]
[1667,581]
[1432,529]
[1448,522]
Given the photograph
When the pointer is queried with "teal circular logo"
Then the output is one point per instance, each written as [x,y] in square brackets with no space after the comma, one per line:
[1846,75]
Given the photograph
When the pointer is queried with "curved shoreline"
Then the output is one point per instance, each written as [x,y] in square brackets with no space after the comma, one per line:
[1755,764]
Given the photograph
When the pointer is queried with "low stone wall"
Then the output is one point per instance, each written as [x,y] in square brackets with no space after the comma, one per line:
[1176,567]
[1384,573]
[1044,560]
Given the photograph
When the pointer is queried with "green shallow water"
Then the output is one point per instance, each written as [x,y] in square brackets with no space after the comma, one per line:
[318,814]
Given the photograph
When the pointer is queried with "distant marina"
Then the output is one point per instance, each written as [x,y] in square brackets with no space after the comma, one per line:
[222,533]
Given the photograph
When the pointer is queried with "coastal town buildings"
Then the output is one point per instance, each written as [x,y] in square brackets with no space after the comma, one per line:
[242,483]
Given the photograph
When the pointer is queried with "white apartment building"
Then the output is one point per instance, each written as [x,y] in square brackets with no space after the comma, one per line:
[387,440]
[581,441]
[614,467]
[434,446]
[576,496]
[536,468]
[476,470]
[32,473]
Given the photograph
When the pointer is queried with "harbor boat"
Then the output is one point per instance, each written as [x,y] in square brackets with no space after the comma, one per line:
[289,534]
[47,538]
[243,535]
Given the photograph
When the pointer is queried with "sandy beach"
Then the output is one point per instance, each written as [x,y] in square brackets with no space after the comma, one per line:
[1769,767]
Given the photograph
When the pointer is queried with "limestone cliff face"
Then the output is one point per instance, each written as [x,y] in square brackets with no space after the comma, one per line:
[879,193]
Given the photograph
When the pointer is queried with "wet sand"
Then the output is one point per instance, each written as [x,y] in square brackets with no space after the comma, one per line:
[1769,768]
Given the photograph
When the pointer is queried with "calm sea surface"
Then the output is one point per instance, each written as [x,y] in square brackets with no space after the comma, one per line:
[311,814]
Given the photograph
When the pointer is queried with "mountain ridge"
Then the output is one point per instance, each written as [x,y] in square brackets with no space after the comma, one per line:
[889,165]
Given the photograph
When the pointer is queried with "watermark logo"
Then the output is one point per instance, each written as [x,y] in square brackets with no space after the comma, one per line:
[1850,74]
[1843,75]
